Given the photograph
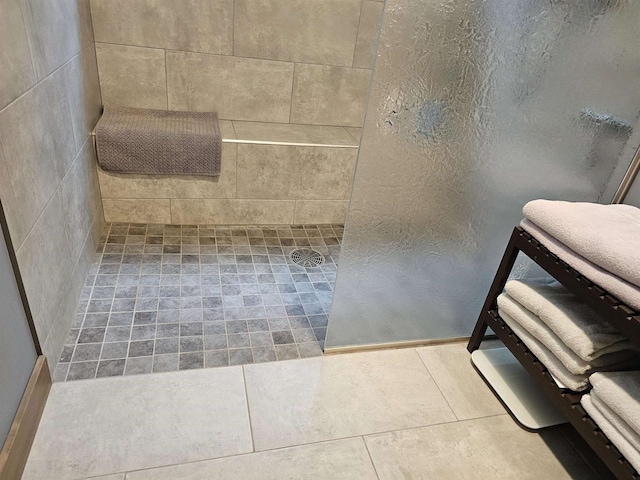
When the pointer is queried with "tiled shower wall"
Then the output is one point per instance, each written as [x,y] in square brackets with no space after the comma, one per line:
[282,61]
[49,101]
[291,71]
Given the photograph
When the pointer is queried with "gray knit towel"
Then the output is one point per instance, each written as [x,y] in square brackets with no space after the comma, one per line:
[158,142]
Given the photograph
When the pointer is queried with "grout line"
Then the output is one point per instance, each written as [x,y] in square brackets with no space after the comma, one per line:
[293,84]
[317,442]
[166,79]
[373,464]
[246,396]
[436,384]
[192,52]
[355,46]
[233,28]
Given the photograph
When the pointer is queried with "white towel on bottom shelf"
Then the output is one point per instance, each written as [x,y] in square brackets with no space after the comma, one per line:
[620,391]
[614,419]
[613,434]
[575,324]
[574,364]
[573,382]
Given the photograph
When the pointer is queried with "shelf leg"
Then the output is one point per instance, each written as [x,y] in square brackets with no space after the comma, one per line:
[508,259]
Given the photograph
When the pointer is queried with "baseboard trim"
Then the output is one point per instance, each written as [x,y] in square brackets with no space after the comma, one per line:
[393,345]
[17,446]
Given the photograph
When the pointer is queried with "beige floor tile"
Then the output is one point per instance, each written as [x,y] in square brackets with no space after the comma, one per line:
[338,460]
[488,448]
[461,385]
[97,427]
[339,396]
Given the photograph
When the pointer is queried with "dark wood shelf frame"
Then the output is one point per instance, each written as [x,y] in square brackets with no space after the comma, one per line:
[621,316]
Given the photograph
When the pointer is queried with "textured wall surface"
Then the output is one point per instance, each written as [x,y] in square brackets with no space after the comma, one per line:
[49,102]
[475,109]
[268,61]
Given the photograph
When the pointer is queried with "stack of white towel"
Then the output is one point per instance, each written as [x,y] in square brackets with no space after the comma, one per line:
[602,242]
[568,337]
[614,405]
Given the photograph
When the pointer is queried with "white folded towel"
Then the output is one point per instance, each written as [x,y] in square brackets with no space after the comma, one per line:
[606,235]
[623,290]
[613,434]
[573,363]
[576,383]
[620,391]
[623,427]
[576,325]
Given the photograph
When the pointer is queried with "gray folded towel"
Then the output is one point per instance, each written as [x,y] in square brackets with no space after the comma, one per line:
[620,391]
[576,325]
[574,364]
[573,382]
[605,235]
[625,291]
[627,449]
[159,142]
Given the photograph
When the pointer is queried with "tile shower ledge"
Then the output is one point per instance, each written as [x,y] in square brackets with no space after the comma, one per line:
[287,134]
[262,133]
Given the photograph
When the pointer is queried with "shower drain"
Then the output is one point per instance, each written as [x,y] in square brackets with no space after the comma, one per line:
[306,257]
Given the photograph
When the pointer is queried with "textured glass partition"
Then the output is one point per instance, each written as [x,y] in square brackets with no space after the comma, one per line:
[476,107]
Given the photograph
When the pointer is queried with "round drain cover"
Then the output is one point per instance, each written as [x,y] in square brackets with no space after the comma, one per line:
[306,257]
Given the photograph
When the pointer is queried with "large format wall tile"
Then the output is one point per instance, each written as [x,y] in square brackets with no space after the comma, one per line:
[64,317]
[57,30]
[37,139]
[320,211]
[164,186]
[46,264]
[232,211]
[132,76]
[325,95]
[136,210]
[84,93]
[322,31]
[368,31]
[14,220]
[287,172]
[80,198]
[16,74]
[191,25]
[237,88]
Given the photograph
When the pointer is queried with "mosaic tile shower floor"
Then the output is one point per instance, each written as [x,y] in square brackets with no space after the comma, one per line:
[168,297]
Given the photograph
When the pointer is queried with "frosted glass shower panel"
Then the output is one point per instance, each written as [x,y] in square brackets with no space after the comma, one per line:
[476,108]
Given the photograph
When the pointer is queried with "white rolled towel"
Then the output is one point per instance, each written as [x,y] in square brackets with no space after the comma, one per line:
[577,325]
[620,391]
[542,333]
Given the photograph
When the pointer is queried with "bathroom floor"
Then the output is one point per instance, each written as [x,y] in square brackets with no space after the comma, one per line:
[384,415]
[170,297]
